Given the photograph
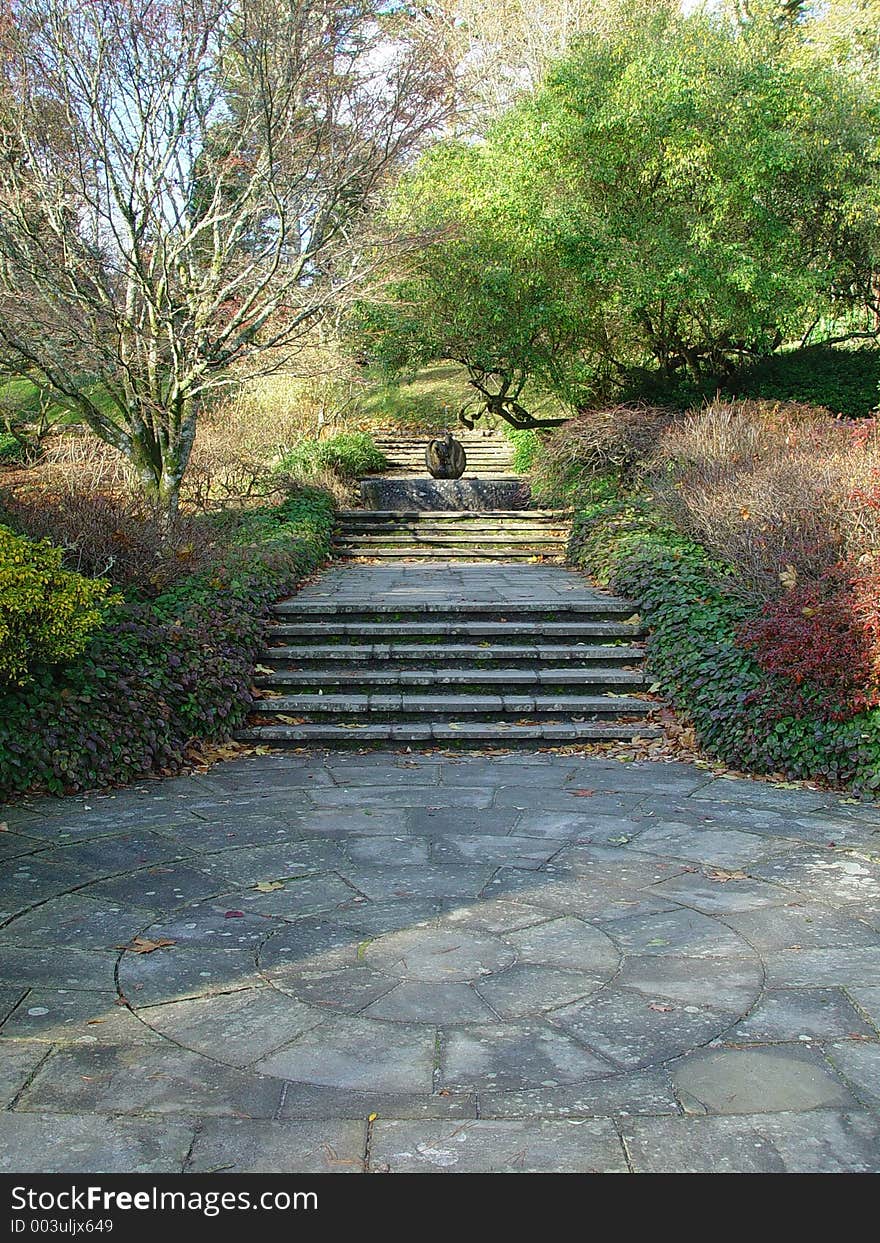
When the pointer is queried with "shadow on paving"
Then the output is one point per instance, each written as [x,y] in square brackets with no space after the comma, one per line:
[515,963]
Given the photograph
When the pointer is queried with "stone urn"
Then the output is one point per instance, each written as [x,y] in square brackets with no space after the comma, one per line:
[445,458]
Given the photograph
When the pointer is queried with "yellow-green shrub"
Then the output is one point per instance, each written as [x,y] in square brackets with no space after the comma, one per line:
[47,613]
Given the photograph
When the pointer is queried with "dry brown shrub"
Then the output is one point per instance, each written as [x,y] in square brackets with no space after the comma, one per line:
[614,442]
[238,439]
[78,460]
[780,491]
[111,535]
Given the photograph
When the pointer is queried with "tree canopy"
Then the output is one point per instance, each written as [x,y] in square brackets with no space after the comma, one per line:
[681,195]
[185,190]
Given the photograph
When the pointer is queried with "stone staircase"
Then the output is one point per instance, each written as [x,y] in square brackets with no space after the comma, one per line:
[498,535]
[477,667]
[489,453]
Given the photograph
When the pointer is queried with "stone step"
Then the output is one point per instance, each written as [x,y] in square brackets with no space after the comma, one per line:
[333,655]
[434,520]
[481,449]
[405,534]
[476,448]
[581,608]
[476,464]
[493,631]
[404,705]
[499,532]
[462,434]
[519,542]
[482,468]
[592,680]
[494,556]
[485,452]
[451,515]
[450,733]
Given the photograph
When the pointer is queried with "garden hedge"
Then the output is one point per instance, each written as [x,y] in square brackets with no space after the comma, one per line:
[349,454]
[161,674]
[696,654]
[46,612]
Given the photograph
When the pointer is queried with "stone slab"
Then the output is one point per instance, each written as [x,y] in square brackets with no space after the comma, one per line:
[18,1061]
[758,1080]
[820,1142]
[360,1055]
[444,494]
[81,1144]
[582,1146]
[157,1078]
[239,1146]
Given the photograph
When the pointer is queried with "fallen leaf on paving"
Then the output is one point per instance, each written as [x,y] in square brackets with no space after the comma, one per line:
[4,827]
[268,886]
[234,915]
[373,1117]
[582,793]
[142,945]
[655,1005]
[721,875]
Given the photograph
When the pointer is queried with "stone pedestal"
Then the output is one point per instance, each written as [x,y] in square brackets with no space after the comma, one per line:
[449,494]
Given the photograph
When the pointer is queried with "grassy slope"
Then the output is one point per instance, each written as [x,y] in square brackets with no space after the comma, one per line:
[23,396]
[433,396]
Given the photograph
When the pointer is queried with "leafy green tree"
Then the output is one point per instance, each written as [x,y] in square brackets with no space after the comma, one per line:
[681,196]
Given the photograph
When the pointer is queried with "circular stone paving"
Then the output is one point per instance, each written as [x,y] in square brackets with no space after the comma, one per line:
[438,954]
[579,971]
[496,948]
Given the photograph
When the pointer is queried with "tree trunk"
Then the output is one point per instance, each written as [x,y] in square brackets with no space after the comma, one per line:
[160,470]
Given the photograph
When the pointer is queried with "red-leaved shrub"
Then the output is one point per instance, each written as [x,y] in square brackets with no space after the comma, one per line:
[823,640]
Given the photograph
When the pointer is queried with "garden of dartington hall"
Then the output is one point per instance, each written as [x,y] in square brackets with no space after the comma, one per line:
[644,246]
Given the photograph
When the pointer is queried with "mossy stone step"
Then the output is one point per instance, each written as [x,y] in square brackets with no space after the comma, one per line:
[442,552]
[492,630]
[402,705]
[390,654]
[591,678]
[594,605]
[450,733]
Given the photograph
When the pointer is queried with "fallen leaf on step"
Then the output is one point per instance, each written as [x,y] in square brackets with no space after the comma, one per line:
[268,886]
[142,945]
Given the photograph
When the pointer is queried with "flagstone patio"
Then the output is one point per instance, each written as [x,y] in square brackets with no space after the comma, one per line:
[385,961]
